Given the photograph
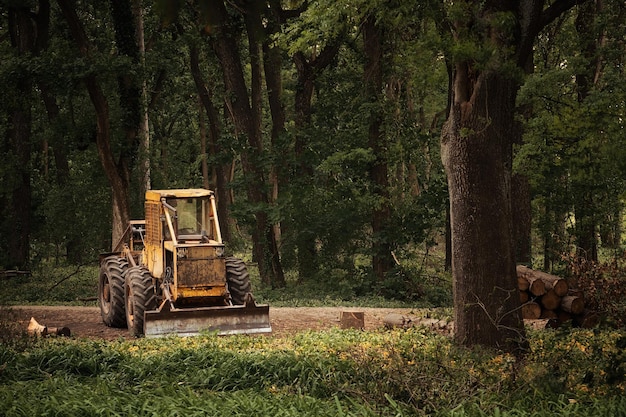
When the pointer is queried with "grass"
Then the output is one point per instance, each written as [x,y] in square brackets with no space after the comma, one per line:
[329,373]
[71,285]
[52,285]
[573,372]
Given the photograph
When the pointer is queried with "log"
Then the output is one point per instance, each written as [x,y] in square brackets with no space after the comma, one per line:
[522,283]
[36,329]
[404,322]
[549,314]
[352,320]
[524,297]
[535,285]
[531,310]
[540,324]
[398,320]
[587,319]
[573,304]
[564,316]
[550,300]
[13,273]
[551,282]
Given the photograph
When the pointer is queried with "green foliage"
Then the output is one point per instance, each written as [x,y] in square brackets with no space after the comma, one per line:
[331,373]
[13,335]
[53,285]
[604,286]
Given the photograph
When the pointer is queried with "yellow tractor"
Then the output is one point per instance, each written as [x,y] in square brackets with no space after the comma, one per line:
[168,274]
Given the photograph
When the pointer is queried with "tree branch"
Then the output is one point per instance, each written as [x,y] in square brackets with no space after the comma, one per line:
[555,10]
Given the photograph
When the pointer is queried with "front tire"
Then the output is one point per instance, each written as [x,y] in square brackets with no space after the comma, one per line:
[111,291]
[139,297]
[238,280]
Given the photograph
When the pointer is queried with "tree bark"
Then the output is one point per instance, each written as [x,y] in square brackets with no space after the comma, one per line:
[584,208]
[476,153]
[214,133]
[18,219]
[382,261]
[476,150]
[238,102]
[272,67]
[307,70]
[144,125]
[117,174]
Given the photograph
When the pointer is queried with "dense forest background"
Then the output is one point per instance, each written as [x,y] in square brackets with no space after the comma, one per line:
[318,123]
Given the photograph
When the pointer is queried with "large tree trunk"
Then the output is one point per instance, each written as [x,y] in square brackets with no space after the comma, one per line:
[272,66]
[382,260]
[117,174]
[476,152]
[238,102]
[144,125]
[307,70]
[476,147]
[18,218]
[586,226]
[221,181]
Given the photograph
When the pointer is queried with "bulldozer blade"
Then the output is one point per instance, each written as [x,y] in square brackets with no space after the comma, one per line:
[225,320]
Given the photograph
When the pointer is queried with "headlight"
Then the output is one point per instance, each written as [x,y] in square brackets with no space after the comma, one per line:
[219,251]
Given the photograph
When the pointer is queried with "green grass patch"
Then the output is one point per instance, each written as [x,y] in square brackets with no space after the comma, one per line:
[330,373]
[52,285]
[78,285]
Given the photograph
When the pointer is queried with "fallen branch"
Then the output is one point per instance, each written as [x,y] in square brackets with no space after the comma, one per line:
[65,278]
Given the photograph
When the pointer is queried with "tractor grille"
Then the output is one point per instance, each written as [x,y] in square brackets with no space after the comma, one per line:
[153,223]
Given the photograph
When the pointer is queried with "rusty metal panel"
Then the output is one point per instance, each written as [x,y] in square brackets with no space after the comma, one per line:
[198,266]
[210,295]
[244,319]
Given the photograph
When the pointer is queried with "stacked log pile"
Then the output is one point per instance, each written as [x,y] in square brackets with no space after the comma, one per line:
[549,297]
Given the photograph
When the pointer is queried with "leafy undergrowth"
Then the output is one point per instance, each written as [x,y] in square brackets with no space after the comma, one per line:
[332,373]
[52,285]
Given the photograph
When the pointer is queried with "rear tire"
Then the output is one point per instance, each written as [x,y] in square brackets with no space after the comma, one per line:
[111,291]
[139,297]
[238,280]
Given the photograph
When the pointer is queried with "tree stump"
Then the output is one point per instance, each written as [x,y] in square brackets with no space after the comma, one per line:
[352,320]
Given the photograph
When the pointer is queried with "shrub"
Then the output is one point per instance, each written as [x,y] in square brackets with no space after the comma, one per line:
[604,287]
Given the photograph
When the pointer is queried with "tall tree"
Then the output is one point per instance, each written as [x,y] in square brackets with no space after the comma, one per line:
[245,114]
[492,42]
[587,75]
[17,148]
[117,169]
[307,70]
[373,40]
[205,94]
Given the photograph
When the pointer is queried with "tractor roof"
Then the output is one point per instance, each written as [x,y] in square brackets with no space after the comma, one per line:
[156,195]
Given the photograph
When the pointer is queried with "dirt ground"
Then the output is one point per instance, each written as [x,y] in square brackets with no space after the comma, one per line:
[85,322]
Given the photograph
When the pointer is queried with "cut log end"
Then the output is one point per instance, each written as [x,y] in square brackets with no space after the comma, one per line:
[36,329]
[531,311]
[352,320]
[39,330]
[573,304]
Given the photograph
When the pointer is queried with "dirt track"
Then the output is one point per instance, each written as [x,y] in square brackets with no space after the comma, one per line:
[85,322]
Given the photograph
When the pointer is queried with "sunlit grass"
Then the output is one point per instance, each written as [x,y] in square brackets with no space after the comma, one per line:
[329,373]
